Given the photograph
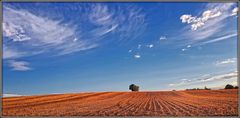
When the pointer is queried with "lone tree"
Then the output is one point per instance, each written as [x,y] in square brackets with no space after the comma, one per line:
[228,86]
[205,88]
[133,87]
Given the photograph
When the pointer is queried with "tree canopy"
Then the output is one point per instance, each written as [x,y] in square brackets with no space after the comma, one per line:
[133,87]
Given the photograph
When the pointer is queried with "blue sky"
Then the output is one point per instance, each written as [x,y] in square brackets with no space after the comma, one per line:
[83,47]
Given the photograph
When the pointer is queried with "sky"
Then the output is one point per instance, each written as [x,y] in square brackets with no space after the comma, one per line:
[92,47]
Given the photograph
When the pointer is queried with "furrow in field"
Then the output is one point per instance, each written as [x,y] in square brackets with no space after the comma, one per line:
[77,97]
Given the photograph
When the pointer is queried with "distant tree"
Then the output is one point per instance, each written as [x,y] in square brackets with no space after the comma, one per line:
[229,86]
[205,88]
[236,87]
[133,87]
[173,90]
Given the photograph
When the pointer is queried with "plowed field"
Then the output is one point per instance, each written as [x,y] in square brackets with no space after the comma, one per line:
[164,103]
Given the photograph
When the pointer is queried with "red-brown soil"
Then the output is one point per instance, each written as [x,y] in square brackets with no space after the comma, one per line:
[163,103]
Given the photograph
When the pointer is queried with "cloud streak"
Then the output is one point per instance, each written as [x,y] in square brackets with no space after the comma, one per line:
[11,53]
[205,78]
[220,38]
[19,65]
[11,95]
[226,61]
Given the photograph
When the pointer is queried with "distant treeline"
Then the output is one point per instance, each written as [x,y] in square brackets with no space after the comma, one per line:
[228,86]
[205,88]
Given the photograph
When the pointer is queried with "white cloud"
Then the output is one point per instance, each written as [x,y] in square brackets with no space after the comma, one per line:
[11,95]
[205,78]
[226,61]
[186,18]
[197,22]
[137,56]
[150,46]
[162,38]
[75,39]
[234,11]
[129,51]
[19,65]
[184,49]
[210,22]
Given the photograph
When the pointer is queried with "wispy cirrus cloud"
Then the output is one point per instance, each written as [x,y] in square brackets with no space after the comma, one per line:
[226,61]
[11,53]
[14,32]
[205,78]
[219,38]
[102,17]
[28,33]
[128,25]
[37,32]
[19,65]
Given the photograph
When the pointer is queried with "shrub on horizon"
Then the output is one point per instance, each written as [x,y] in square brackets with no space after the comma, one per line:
[229,86]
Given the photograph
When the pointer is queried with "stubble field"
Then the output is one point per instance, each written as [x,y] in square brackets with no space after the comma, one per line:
[163,103]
